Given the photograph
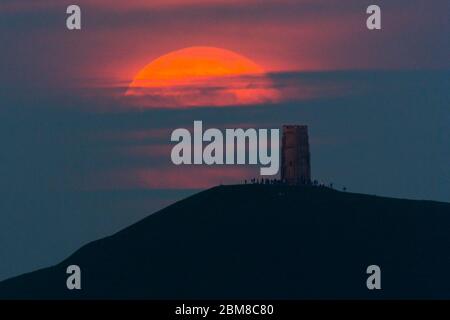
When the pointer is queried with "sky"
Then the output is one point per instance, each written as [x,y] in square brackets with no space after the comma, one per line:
[80,162]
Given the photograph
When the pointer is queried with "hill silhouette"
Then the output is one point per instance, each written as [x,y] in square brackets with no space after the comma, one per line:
[258,242]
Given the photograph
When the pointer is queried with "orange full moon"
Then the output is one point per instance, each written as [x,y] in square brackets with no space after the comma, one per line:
[202,76]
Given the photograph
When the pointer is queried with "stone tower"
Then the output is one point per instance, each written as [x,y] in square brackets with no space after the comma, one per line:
[295,158]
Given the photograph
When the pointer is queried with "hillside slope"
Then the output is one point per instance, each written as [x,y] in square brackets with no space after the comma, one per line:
[262,241]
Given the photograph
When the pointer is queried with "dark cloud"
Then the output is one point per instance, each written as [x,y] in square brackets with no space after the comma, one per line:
[71,135]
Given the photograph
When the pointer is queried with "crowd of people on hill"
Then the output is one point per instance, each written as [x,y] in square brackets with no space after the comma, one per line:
[315,183]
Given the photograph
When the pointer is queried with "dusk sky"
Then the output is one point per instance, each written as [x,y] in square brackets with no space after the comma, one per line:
[81,160]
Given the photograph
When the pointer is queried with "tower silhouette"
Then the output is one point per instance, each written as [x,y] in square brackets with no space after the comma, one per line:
[295,157]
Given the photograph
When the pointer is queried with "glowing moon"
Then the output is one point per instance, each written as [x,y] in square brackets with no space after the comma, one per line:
[202,76]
